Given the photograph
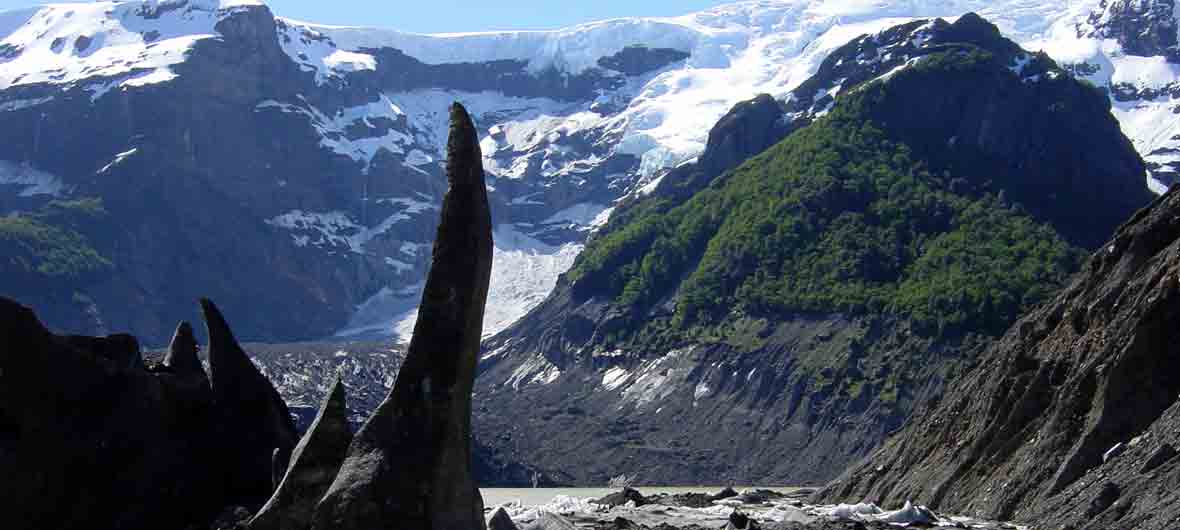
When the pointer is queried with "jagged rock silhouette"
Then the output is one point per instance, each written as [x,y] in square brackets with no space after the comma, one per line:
[410,464]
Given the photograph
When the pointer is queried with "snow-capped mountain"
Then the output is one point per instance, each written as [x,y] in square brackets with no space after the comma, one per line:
[320,148]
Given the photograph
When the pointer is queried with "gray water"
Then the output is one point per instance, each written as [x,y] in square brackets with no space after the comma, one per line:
[540,496]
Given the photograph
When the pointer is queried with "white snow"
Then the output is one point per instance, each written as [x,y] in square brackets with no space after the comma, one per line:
[853,512]
[527,123]
[584,216]
[19,104]
[119,158]
[385,314]
[32,181]
[350,61]
[537,370]
[658,378]
[314,52]
[615,377]
[737,51]
[68,43]
[336,229]
[331,128]
[524,271]
[702,390]
[1145,72]
[910,514]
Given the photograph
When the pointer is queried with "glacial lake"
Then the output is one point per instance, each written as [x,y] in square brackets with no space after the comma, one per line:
[539,496]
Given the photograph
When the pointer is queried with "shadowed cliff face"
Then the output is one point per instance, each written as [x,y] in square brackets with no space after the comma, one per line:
[409,466]
[1072,416]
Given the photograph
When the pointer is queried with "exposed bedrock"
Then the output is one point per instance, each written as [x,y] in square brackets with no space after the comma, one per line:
[410,464]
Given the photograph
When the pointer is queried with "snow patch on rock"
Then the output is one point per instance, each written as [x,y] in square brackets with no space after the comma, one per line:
[614,378]
[29,180]
[65,44]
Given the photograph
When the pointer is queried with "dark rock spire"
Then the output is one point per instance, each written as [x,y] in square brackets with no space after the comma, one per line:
[182,351]
[410,465]
[254,419]
[314,464]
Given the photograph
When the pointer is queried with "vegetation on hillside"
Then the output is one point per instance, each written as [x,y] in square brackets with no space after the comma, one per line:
[838,218]
[49,244]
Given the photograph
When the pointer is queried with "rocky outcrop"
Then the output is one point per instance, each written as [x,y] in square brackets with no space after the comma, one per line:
[252,416]
[90,438]
[314,465]
[410,465]
[1145,28]
[1070,419]
[639,59]
[620,498]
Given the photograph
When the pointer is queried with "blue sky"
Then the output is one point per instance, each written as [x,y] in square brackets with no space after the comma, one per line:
[465,15]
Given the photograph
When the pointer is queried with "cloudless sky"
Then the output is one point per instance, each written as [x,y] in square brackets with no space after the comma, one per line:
[434,16]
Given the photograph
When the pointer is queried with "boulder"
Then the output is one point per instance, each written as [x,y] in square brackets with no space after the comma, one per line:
[741,521]
[314,465]
[501,521]
[622,497]
[726,493]
[410,464]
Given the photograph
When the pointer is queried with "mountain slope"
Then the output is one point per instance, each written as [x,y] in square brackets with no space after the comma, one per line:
[1070,419]
[812,296]
[340,193]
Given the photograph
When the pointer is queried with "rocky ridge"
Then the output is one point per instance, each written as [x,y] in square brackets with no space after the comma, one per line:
[1067,421]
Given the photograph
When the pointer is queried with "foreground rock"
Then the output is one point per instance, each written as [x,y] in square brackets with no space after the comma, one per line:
[410,465]
[1071,418]
[314,465]
[91,438]
[622,497]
